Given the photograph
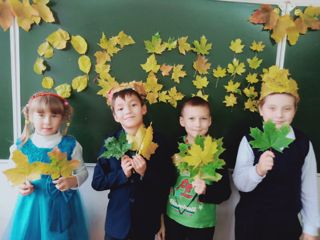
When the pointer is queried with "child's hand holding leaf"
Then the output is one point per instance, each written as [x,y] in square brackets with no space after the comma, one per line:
[265,163]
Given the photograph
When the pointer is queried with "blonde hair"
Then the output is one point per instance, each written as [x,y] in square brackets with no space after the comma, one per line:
[40,102]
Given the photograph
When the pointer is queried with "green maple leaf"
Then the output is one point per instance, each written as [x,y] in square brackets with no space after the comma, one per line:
[202,47]
[116,147]
[155,45]
[271,137]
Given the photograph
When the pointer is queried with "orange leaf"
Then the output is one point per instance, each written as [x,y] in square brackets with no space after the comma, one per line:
[6,15]
[165,69]
[265,15]
[201,65]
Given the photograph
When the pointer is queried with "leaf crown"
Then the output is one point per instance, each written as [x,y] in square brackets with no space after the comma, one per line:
[276,80]
[134,85]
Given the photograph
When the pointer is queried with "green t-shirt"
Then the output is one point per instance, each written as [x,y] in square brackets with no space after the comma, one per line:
[185,208]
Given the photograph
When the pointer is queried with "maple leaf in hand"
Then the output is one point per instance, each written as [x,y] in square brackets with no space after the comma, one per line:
[236,46]
[24,171]
[202,47]
[147,146]
[271,137]
[201,65]
[60,166]
[155,45]
[116,147]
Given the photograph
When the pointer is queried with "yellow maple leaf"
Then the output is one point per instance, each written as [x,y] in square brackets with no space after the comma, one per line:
[230,100]
[152,97]
[106,85]
[60,166]
[198,157]
[43,10]
[200,82]
[147,147]
[250,92]
[155,45]
[254,62]
[232,87]
[6,15]
[163,96]
[124,39]
[39,66]
[152,84]
[174,96]
[202,47]
[58,39]
[293,35]
[251,105]
[79,44]
[151,65]
[165,69]
[47,82]
[84,63]
[252,78]
[219,72]
[109,44]
[280,30]
[236,67]
[177,73]
[201,65]
[136,140]
[257,46]
[171,44]
[80,83]
[184,46]
[25,13]
[202,95]
[102,57]
[45,50]
[24,171]
[64,90]
[236,46]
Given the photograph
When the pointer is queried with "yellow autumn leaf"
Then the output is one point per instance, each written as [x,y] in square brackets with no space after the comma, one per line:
[252,78]
[39,66]
[152,84]
[152,97]
[232,87]
[293,35]
[106,85]
[219,72]
[60,166]
[136,140]
[58,39]
[79,44]
[250,92]
[163,96]
[230,100]
[24,171]
[254,62]
[102,57]
[80,83]
[201,65]
[174,96]
[200,82]
[236,46]
[251,105]
[45,50]
[110,45]
[236,67]
[155,45]
[25,13]
[84,63]
[177,73]
[165,69]
[47,82]
[257,46]
[280,30]
[103,70]
[199,157]
[184,46]
[64,90]
[151,65]
[202,95]
[6,15]
[171,44]
[148,147]
[124,39]
[44,11]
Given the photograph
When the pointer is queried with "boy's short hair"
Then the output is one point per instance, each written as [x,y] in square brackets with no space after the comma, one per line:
[126,92]
[195,101]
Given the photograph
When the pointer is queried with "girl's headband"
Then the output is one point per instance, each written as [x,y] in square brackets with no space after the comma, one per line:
[43,94]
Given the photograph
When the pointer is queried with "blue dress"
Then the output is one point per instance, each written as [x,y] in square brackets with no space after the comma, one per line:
[47,213]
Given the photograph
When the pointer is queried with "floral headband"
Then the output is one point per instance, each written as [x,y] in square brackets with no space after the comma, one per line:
[42,94]
[276,80]
[136,86]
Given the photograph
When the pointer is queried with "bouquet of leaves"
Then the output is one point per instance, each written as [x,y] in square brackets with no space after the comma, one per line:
[141,142]
[201,159]
[271,137]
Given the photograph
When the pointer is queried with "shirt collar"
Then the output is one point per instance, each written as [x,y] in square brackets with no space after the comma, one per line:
[46,141]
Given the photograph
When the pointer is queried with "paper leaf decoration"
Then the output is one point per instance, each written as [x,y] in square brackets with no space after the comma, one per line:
[116,147]
[24,170]
[60,166]
[270,137]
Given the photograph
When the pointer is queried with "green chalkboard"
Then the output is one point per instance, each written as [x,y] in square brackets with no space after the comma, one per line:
[6,130]
[303,61]
[220,22]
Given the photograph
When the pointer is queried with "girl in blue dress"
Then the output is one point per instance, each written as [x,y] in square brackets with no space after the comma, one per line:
[47,209]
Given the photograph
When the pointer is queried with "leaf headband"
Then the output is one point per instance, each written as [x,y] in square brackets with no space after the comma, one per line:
[43,94]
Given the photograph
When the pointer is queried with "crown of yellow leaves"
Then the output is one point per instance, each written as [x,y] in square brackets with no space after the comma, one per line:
[136,86]
[276,80]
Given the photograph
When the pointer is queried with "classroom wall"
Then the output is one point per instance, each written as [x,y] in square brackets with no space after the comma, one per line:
[95,207]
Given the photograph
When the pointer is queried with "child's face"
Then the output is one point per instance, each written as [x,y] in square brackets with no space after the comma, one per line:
[129,112]
[280,108]
[45,122]
[196,120]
